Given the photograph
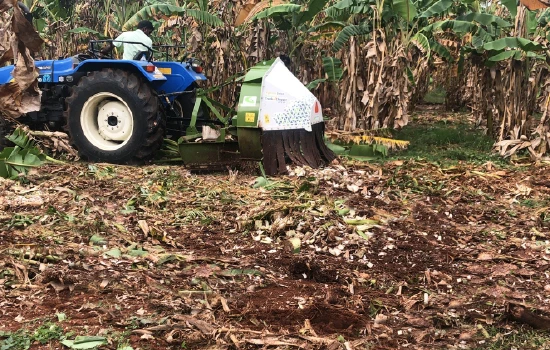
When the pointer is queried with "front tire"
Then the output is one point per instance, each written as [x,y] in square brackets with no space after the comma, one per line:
[113,116]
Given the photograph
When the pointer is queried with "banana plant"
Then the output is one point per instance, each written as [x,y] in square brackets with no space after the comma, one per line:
[293,18]
[157,10]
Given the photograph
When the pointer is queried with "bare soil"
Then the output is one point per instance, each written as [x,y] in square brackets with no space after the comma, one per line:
[158,258]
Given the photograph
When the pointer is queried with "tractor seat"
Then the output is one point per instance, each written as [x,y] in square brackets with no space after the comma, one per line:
[142,55]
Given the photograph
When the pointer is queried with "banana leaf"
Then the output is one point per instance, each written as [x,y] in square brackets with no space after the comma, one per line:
[422,43]
[513,42]
[157,10]
[504,55]
[512,6]
[348,32]
[314,7]
[333,68]
[485,19]
[15,161]
[405,9]
[437,8]
[21,158]
[277,11]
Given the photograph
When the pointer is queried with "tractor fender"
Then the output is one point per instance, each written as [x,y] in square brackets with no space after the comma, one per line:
[180,76]
[138,67]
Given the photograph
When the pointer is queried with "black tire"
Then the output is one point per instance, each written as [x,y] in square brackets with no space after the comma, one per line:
[148,124]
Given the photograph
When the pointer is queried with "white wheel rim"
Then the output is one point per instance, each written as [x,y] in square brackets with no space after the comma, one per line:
[107,121]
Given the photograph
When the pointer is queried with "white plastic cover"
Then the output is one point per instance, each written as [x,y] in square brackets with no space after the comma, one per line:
[285,103]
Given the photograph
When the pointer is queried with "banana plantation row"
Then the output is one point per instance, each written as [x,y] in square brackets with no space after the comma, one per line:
[368,61]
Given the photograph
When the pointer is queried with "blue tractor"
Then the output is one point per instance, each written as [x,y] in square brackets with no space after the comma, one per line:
[115,111]
[120,111]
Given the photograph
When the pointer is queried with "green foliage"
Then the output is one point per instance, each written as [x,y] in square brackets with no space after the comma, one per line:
[446,143]
[21,158]
[277,11]
[437,8]
[85,342]
[205,17]
[435,96]
[513,42]
[345,8]
[405,8]
[348,32]
[422,43]
[22,339]
[512,6]
[314,7]
[485,19]
[459,27]
[333,68]
[504,55]
[156,10]
[441,50]
[315,83]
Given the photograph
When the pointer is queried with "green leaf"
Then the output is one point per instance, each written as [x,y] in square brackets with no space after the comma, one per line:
[459,27]
[261,181]
[164,258]
[138,252]
[115,253]
[531,22]
[327,26]
[85,342]
[512,6]
[20,138]
[314,7]
[314,84]
[480,38]
[405,9]
[205,17]
[410,76]
[441,50]
[348,32]
[337,149]
[333,68]
[437,8]
[485,19]
[513,42]
[422,43]
[276,11]
[19,159]
[157,10]
[504,55]
[97,240]
[345,8]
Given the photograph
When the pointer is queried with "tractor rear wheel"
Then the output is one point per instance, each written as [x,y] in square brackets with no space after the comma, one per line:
[113,116]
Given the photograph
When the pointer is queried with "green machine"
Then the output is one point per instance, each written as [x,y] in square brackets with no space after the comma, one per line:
[278,121]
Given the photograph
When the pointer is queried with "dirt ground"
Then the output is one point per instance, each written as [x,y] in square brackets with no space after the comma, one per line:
[401,255]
